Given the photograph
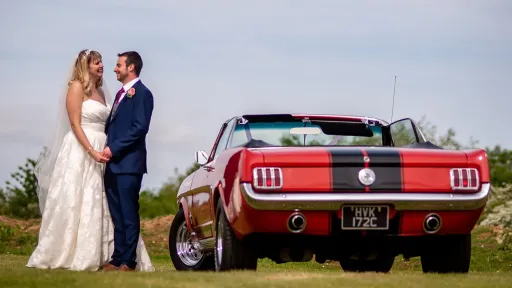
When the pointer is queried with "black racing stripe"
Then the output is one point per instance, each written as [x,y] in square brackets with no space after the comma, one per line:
[346,164]
[387,165]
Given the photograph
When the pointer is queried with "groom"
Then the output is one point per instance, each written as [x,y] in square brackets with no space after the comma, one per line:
[126,130]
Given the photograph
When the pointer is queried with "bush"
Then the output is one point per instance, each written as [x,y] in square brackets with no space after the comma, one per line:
[164,201]
[498,211]
[19,199]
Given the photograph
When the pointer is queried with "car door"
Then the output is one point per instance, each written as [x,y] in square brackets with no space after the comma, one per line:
[202,195]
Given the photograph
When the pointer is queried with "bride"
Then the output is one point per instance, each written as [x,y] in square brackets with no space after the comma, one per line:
[76,230]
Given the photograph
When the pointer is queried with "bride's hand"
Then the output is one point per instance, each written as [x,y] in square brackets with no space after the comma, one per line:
[98,157]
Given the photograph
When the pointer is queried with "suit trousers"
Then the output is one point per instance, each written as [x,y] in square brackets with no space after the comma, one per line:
[122,191]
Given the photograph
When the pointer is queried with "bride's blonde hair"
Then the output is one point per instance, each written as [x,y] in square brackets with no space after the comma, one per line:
[81,70]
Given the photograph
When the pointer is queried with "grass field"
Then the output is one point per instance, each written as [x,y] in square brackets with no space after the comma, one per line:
[491,266]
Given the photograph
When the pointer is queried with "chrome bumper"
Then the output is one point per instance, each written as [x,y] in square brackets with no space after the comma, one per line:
[333,201]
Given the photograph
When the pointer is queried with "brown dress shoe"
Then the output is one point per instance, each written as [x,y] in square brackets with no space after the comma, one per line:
[109,267]
[126,268]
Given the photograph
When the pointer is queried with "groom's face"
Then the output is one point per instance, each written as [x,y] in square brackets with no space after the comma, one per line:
[121,70]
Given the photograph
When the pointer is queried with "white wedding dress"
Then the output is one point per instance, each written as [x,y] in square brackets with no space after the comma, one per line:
[76,230]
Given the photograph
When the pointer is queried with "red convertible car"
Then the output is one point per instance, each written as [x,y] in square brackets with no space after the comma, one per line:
[290,187]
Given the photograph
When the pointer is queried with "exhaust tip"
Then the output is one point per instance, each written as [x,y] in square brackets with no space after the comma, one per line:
[296,222]
[432,223]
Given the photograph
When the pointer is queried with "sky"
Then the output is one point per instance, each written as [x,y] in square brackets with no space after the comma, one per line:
[206,61]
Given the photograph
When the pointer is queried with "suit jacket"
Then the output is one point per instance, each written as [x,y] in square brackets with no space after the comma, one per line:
[126,131]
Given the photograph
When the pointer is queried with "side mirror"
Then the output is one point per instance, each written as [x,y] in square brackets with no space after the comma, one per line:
[201,157]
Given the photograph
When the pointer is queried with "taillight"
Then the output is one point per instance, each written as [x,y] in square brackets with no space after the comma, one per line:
[267,178]
[464,179]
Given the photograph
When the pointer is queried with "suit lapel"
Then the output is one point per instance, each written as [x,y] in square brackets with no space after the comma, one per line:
[113,116]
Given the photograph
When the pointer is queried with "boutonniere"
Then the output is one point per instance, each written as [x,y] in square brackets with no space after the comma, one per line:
[130,93]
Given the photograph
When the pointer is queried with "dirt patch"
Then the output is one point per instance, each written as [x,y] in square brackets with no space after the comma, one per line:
[156,229]
[13,222]
[155,233]
[501,234]
[30,225]
[33,229]
[497,229]
[157,224]
[484,235]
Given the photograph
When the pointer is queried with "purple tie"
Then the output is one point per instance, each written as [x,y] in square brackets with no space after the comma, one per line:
[119,95]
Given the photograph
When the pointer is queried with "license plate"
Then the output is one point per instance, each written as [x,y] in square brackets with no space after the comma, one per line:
[368,217]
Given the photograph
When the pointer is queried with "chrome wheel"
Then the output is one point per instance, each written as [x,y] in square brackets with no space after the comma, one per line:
[184,247]
[218,247]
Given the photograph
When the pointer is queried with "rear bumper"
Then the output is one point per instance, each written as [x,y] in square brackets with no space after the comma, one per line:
[331,201]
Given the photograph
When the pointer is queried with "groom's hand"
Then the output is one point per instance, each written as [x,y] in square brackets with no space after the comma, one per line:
[106,153]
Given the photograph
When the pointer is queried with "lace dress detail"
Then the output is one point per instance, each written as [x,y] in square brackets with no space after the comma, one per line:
[76,230]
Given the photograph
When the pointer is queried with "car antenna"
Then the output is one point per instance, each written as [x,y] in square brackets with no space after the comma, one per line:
[393,105]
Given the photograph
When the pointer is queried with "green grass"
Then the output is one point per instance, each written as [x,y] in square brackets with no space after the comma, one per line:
[14,240]
[487,255]
[14,274]
[491,266]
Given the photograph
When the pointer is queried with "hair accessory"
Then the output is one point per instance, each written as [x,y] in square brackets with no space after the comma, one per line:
[86,53]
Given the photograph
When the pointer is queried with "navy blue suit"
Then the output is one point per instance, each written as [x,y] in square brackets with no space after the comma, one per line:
[126,131]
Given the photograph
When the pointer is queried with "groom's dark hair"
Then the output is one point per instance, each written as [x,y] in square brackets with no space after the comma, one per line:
[134,58]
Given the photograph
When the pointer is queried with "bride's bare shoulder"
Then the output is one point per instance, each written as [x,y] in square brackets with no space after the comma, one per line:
[75,89]
[75,84]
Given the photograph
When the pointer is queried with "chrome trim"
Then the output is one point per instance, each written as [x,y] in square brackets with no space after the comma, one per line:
[207,224]
[461,187]
[185,248]
[219,246]
[333,201]
[255,176]
[207,244]
[264,177]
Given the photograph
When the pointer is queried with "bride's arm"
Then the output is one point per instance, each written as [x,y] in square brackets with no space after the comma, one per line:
[74,107]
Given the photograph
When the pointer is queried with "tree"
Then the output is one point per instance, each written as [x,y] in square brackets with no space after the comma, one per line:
[500,161]
[164,201]
[3,202]
[294,140]
[446,140]
[20,199]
